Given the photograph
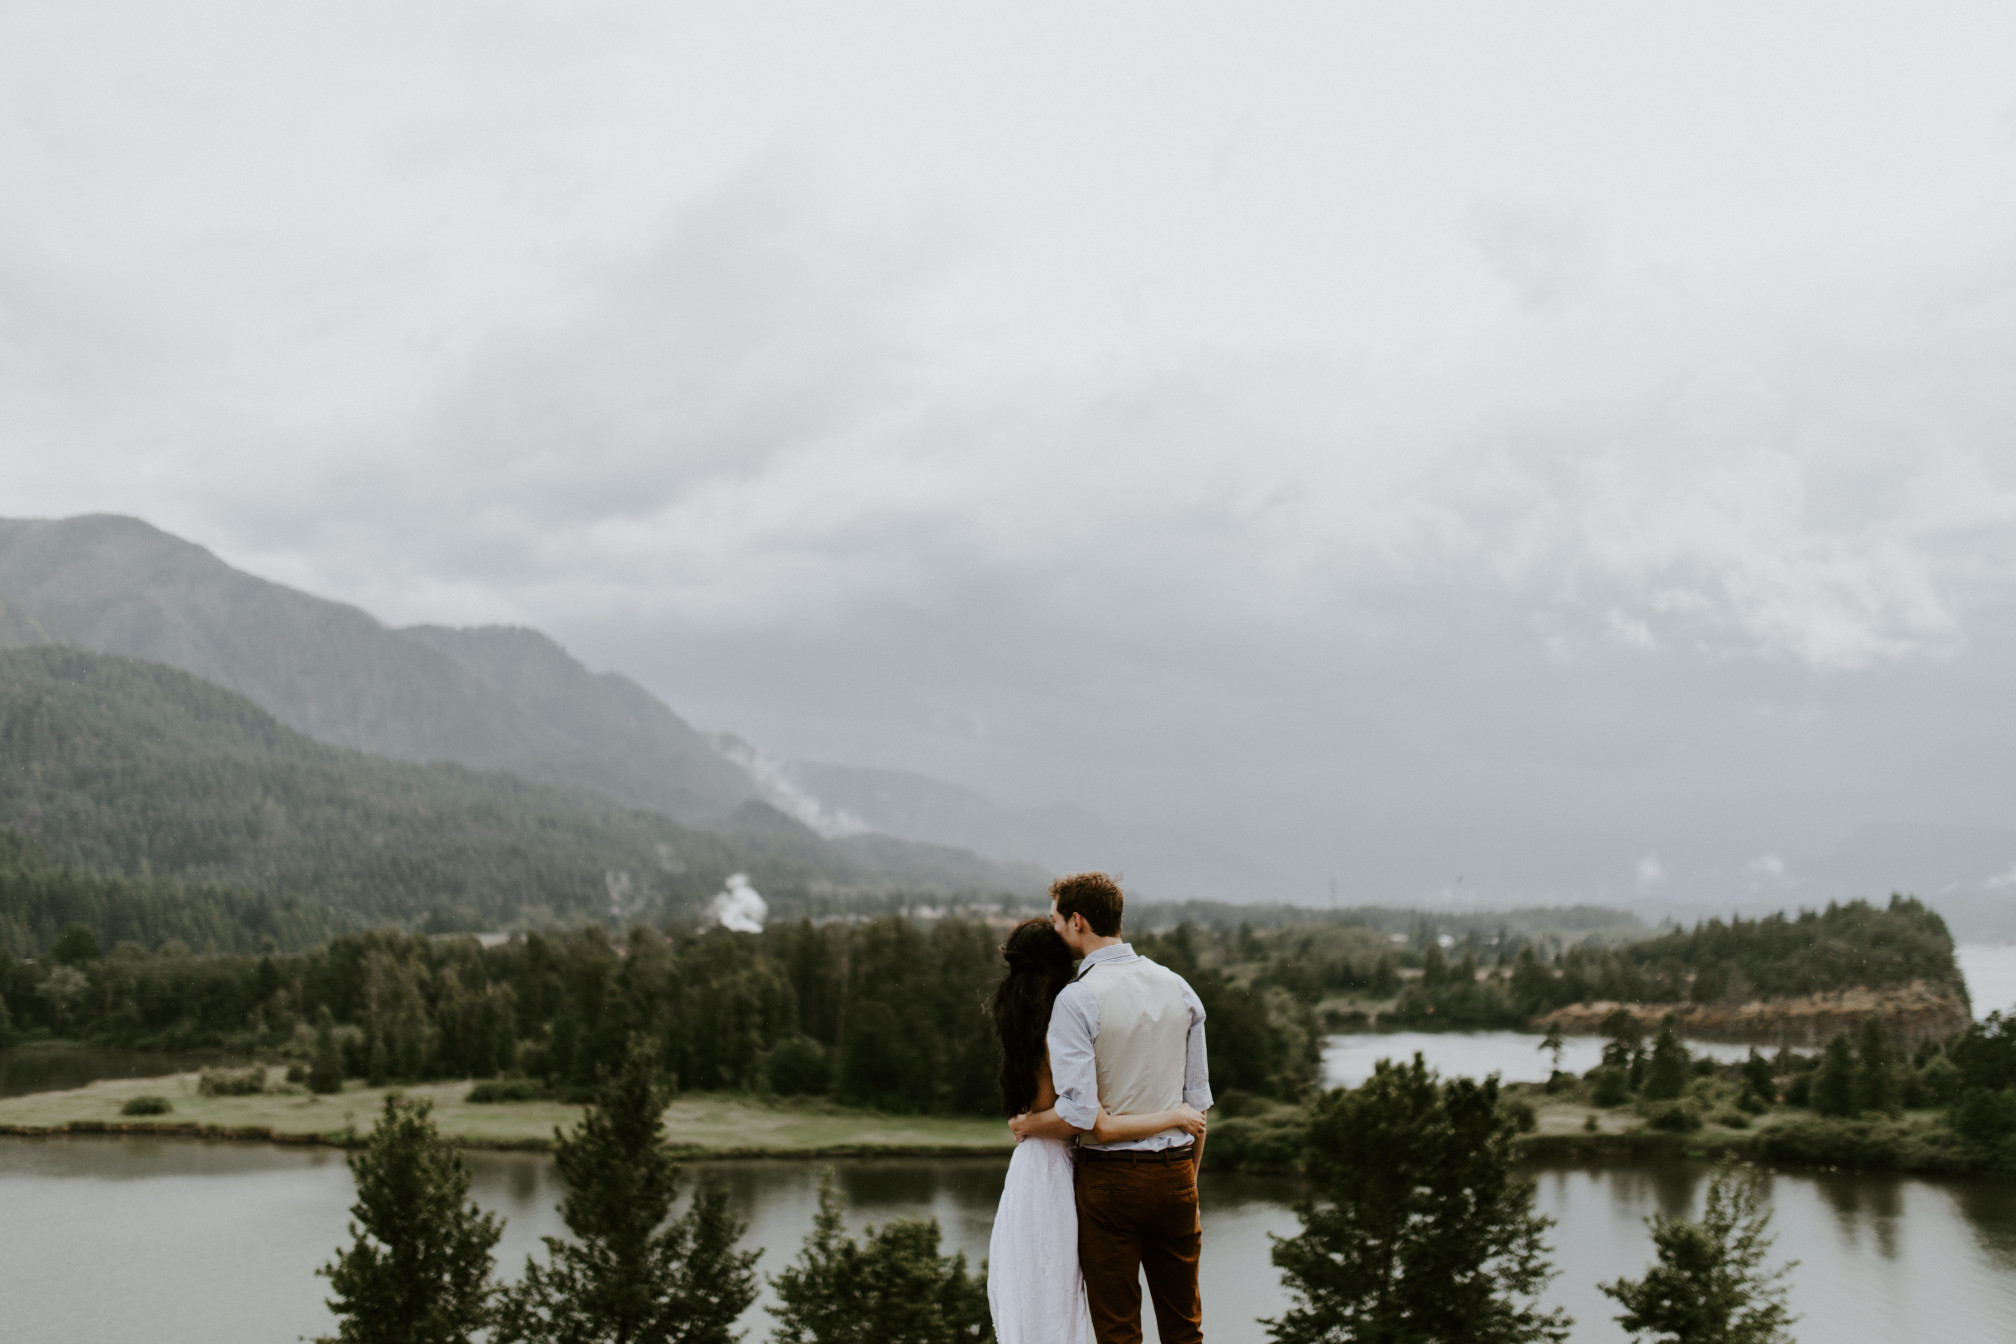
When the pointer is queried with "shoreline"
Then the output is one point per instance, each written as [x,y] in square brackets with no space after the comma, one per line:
[700,1126]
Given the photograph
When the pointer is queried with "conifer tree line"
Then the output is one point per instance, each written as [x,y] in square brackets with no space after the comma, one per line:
[1848,945]
[420,1264]
[883,1013]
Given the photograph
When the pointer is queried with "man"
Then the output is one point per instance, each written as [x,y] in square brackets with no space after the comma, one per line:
[1128,1035]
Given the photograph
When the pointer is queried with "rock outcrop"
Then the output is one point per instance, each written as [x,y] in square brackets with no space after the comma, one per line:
[1921,1010]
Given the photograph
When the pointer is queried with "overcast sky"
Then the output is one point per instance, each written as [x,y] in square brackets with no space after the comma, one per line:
[1567,447]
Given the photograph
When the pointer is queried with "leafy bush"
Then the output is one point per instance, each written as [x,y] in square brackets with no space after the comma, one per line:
[1939,1083]
[797,1066]
[1985,1116]
[507,1089]
[1613,1086]
[146,1106]
[232,1082]
[1263,1137]
[1678,1118]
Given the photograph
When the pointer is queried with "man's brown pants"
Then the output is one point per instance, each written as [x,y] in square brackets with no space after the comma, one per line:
[1136,1219]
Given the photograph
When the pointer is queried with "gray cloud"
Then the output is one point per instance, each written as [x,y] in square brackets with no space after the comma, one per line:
[886,402]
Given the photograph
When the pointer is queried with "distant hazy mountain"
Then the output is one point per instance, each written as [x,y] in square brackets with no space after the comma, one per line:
[491,698]
[917,807]
[136,770]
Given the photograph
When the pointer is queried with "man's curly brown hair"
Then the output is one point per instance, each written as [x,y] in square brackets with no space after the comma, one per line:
[1093,895]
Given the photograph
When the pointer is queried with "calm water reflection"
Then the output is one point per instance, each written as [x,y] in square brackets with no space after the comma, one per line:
[112,1240]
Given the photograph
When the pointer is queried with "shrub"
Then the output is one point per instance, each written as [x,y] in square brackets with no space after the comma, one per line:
[1984,1116]
[1759,1079]
[1939,1082]
[1799,1088]
[1613,1086]
[507,1089]
[1677,1117]
[1833,1091]
[1752,1103]
[325,1071]
[1264,1137]
[232,1082]
[297,1072]
[798,1067]
[146,1106]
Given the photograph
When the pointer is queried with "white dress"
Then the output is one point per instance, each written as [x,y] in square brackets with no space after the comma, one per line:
[1033,1283]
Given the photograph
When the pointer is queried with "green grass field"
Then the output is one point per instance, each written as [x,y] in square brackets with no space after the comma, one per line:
[707,1124]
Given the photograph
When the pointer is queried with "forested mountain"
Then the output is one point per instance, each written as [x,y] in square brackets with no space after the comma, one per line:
[40,898]
[130,769]
[493,699]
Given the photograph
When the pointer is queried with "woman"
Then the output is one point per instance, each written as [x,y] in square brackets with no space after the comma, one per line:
[1033,1284]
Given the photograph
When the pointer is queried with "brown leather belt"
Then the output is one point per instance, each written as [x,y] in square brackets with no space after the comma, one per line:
[1161,1156]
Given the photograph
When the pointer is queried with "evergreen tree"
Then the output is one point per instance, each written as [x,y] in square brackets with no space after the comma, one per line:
[893,1289]
[378,1063]
[1879,1075]
[1625,1051]
[1709,1286]
[1555,1041]
[1940,1081]
[6,1025]
[1415,1227]
[418,1268]
[1759,1079]
[325,1069]
[1833,1089]
[630,1276]
[1666,1074]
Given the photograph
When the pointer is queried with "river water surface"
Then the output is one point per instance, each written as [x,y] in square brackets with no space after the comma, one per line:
[104,1240]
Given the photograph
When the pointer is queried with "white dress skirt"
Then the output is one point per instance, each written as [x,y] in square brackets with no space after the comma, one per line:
[1033,1283]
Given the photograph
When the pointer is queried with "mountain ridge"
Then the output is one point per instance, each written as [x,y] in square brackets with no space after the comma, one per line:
[137,771]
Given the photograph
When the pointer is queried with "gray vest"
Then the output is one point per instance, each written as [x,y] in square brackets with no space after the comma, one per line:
[1144,1035]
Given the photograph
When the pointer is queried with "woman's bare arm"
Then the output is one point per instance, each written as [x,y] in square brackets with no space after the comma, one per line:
[1122,1128]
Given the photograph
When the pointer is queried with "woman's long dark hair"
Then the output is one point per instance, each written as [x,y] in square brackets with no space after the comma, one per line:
[1039,965]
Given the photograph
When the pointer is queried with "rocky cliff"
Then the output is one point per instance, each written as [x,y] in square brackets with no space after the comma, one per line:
[1918,1011]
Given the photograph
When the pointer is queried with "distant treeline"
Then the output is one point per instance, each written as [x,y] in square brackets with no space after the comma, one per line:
[1842,947]
[884,1013]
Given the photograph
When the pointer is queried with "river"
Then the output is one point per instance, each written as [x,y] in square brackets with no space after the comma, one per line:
[110,1240]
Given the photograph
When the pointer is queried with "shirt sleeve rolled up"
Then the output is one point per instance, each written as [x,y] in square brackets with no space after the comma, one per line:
[1074,1021]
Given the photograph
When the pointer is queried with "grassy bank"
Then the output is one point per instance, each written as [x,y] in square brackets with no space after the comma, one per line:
[704,1124]
[1264,1137]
